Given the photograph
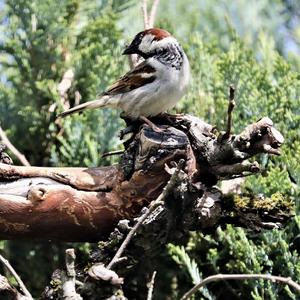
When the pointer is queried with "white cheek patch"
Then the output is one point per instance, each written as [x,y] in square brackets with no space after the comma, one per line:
[146,43]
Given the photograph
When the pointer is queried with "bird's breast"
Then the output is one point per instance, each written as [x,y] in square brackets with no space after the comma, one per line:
[158,96]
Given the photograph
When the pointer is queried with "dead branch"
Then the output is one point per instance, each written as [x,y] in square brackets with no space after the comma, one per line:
[153,205]
[21,157]
[85,204]
[68,284]
[6,263]
[151,286]
[149,19]
[149,15]
[63,88]
[231,105]
[152,14]
[145,13]
[116,152]
[7,289]
[218,277]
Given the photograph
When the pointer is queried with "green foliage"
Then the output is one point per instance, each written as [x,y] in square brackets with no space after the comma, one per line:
[266,85]
[32,60]
[95,64]
[181,257]
[245,43]
[40,41]
[232,251]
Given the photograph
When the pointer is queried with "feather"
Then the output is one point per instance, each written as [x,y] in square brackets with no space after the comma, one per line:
[141,75]
[90,104]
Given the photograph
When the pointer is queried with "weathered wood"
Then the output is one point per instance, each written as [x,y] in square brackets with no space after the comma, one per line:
[81,204]
[85,204]
[91,179]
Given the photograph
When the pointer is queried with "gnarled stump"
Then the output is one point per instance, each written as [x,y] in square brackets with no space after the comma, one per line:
[85,204]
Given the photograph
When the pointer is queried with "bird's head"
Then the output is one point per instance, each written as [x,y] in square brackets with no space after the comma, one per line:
[148,42]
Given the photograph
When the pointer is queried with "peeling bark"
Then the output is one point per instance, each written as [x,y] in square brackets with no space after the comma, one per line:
[85,204]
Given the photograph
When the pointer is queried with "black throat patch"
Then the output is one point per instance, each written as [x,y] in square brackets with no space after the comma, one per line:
[171,56]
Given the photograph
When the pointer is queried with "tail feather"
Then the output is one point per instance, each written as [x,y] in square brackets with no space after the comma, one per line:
[87,105]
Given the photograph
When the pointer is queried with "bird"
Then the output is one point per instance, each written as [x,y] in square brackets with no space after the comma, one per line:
[154,85]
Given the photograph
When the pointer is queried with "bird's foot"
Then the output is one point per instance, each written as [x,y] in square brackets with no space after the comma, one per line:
[169,119]
[150,124]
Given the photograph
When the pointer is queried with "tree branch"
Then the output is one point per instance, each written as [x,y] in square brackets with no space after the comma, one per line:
[16,276]
[13,149]
[151,286]
[153,205]
[153,13]
[231,105]
[145,13]
[68,285]
[219,277]
[85,204]
[149,17]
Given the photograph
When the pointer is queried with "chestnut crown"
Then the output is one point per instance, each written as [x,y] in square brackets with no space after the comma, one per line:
[147,42]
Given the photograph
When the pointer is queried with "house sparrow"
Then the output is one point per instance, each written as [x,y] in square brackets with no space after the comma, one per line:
[151,87]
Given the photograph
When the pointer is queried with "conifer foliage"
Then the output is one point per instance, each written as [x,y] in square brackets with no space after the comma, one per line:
[40,41]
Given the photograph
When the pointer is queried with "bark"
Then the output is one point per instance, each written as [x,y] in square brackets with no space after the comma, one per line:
[85,204]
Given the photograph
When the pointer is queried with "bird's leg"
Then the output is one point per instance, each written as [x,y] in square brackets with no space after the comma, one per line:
[152,125]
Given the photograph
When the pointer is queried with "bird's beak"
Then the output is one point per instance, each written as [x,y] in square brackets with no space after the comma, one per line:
[131,49]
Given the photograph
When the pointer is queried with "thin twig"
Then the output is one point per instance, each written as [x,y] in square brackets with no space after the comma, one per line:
[145,13]
[152,15]
[70,262]
[17,277]
[231,105]
[286,280]
[64,86]
[149,19]
[116,152]
[13,149]
[69,279]
[151,286]
[153,205]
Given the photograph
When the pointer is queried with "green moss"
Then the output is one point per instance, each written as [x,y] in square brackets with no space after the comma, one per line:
[55,284]
[277,203]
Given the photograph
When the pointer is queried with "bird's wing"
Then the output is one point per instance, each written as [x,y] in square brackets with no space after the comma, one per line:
[139,76]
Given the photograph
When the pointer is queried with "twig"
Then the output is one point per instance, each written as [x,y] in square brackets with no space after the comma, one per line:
[64,86]
[153,11]
[231,105]
[69,291]
[149,17]
[286,280]
[153,205]
[17,277]
[145,13]
[13,149]
[148,23]
[151,286]
[116,152]
[11,290]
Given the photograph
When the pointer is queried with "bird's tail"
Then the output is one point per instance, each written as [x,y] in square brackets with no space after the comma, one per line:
[87,105]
